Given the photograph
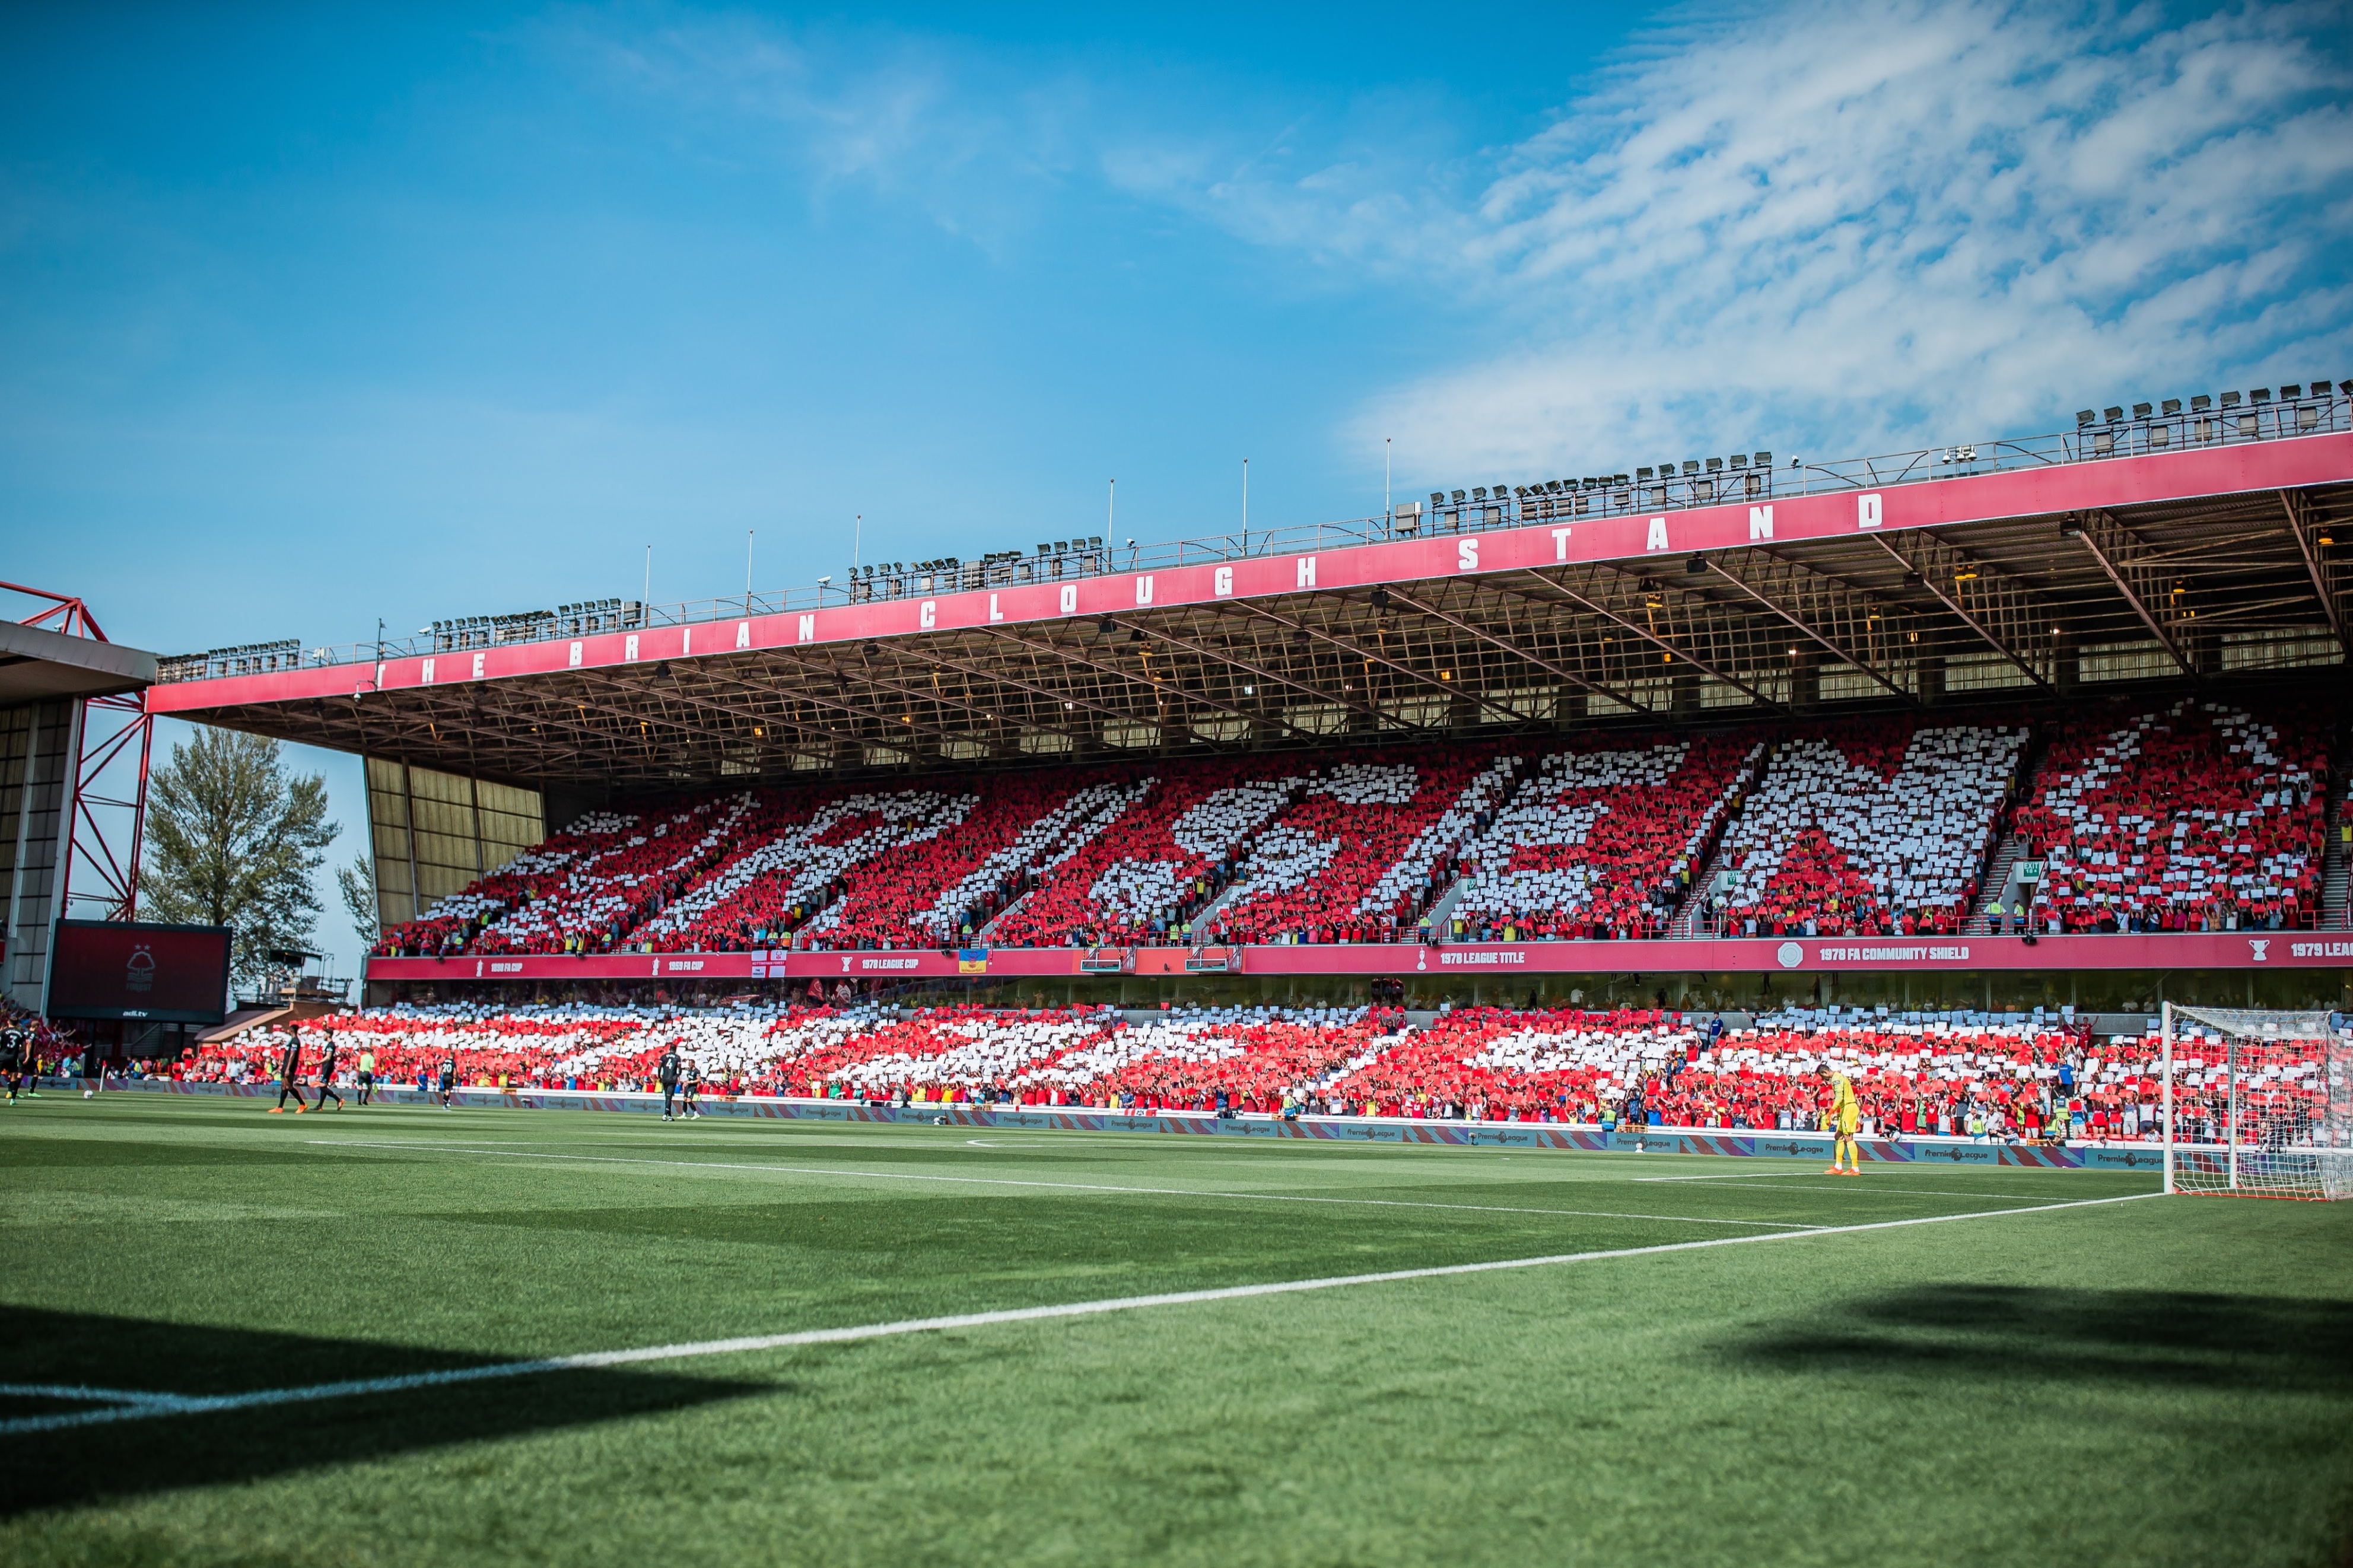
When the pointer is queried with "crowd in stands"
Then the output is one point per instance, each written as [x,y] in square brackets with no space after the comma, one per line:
[1150,871]
[2200,817]
[45,1042]
[1879,827]
[2032,1078]
[808,874]
[1323,871]
[1600,843]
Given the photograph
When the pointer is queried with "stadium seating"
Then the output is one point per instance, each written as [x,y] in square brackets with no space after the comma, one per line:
[1600,841]
[1877,827]
[1331,868]
[2199,816]
[1913,1073]
[1151,868]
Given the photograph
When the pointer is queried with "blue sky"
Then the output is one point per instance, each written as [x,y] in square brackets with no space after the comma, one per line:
[311,316]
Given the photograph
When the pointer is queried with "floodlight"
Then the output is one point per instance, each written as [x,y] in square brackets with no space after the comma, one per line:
[1695,567]
[1691,464]
[2230,400]
[1714,465]
[1739,460]
[2140,411]
[2201,404]
[2291,391]
[2084,416]
[1477,492]
[1642,474]
[2113,414]
[2169,407]
[2259,394]
[1459,498]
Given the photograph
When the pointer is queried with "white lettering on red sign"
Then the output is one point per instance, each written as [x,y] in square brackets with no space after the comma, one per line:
[993,613]
[1658,539]
[1466,555]
[1561,545]
[478,664]
[1070,597]
[808,628]
[629,647]
[1760,523]
[1307,571]
[428,672]
[1143,593]
[928,615]
[575,656]
[743,633]
[1221,581]
[1866,509]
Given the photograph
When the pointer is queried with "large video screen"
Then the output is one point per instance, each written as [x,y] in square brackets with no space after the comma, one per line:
[114,969]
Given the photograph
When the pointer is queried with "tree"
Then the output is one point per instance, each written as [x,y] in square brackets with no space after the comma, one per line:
[357,881]
[232,840]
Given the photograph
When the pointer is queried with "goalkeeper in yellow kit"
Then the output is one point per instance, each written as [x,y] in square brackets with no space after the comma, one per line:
[1845,1119]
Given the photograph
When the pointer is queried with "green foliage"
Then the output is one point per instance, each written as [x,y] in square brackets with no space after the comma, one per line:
[233,840]
[356,882]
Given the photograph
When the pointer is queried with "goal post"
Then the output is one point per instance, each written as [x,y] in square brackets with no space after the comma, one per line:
[2258,1102]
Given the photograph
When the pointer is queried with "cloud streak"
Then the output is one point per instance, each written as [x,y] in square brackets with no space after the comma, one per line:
[1862,222]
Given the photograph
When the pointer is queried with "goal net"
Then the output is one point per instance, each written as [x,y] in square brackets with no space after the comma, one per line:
[2257,1103]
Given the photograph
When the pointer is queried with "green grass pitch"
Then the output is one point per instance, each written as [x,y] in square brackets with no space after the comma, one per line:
[2157,1380]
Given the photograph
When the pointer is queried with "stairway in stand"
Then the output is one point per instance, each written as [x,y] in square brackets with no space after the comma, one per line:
[1686,920]
[2333,869]
[1997,881]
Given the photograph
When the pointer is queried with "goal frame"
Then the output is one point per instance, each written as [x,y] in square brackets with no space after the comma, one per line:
[2336,1149]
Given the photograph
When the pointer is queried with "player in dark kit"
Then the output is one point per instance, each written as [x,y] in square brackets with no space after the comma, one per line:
[290,1077]
[668,1068]
[448,1080]
[327,1075]
[12,1059]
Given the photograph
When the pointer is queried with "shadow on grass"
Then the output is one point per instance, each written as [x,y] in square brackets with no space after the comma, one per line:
[2175,1339]
[73,1466]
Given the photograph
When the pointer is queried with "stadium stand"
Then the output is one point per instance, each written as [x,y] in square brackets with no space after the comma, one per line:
[1915,1073]
[1335,866]
[1602,841]
[2200,817]
[1876,828]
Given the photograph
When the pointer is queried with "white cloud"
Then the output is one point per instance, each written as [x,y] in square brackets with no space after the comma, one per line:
[1862,222]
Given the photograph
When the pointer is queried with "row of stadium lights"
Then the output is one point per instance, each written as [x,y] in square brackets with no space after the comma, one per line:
[1702,471]
[2100,430]
[2204,403]
[1002,566]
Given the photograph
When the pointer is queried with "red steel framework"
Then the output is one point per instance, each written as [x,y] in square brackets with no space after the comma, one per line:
[96,750]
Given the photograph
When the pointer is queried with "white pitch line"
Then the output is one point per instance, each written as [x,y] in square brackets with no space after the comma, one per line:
[178,1404]
[1060,1186]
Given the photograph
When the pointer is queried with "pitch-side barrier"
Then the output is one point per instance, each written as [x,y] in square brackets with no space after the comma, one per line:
[1566,1137]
